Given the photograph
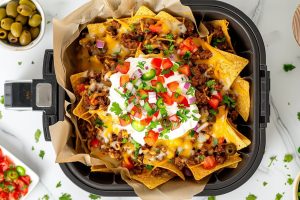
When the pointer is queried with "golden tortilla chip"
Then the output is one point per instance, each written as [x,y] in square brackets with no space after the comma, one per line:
[241,88]
[166,16]
[144,11]
[221,128]
[224,26]
[100,168]
[151,181]
[77,79]
[81,112]
[245,139]
[199,172]
[97,29]
[171,167]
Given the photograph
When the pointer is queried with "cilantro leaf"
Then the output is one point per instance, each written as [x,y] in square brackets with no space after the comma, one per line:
[278,196]
[265,183]
[211,198]
[141,64]
[32,148]
[116,108]
[170,36]
[65,196]
[288,158]
[290,181]
[149,167]
[124,140]
[213,112]
[152,125]
[298,114]
[98,122]
[42,154]
[37,135]
[272,159]
[211,83]
[251,197]
[45,197]
[94,197]
[187,55]
[149,48]
[2,99]
[58,184]
[228,101]
[288,67]
[298,149]
[19,63]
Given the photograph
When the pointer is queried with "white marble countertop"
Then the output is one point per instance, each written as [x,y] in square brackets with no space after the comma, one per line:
[273,18]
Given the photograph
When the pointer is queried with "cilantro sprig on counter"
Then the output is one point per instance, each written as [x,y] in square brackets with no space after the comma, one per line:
[94,197]
[272,159]
[65,196]
[278,196]
[116,108]
[288,158]
[288,67]
[37,135]
[251,197]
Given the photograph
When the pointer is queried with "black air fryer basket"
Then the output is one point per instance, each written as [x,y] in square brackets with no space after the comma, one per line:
[248,43]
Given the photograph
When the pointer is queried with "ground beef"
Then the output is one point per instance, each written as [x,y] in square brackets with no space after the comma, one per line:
[113,28]
[190,28]
[138,169]
[129,40]
[103,102]
[220,159]
[157,172]
[218,32]
[198,80]
[179,162]
[201,98]
[193,160]
[201,54]
[115,153]
[148,21]
[232,115]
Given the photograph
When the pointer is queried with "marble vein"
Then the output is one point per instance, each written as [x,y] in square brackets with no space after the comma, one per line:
[257,12]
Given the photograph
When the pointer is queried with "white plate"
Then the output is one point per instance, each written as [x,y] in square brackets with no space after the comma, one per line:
[34,177]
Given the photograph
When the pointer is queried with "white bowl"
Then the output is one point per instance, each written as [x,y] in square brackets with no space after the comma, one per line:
[296,186]
[34,177]
[36,40]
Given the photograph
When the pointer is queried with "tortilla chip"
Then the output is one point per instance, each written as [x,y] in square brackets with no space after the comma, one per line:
[245,140]
[171,167]
[97,29]
[241,88]
[144,11]
[100,168]
[151,181]
[224,25]
[77,79]
[222,128]
[199,172]
[203,32]
[166,16]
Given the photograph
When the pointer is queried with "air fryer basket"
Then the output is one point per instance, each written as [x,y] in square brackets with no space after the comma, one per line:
[249,44]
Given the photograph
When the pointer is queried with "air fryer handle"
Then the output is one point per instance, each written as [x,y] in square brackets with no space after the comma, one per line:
[264,96]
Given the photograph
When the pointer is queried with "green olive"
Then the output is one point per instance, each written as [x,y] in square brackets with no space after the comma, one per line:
[11,9]
[34,32]
[24,10]
[22,19]
[25,38]
[2,13]
[16,29]
[3,34]
[35,20]
[28,3]
[6,23]
[12,39]
[230,149]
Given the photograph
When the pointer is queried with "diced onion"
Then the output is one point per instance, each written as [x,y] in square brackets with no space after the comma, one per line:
[201,138]
[100,44]
[152,97]
[214,92]
[133,90]
[142,102]
[129,107]
[192,100]
[138,82]
[160,129]
[129,86]
[172,57]
[138,73]
[200,128]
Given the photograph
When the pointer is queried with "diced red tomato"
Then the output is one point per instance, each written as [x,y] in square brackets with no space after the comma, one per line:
[209,162]
[123,68]
[189,43]
[173,86]
[158,71]
[171,73]
[214,103]
[1,176]
[127,163]
[156,113]
[156,63]
[151,137]
[218,96]
[136,112]
[26,179]
[180,99]
[124,79]
[155,28]
[125,120]
[160,79]
[3,195]
[5,162]
[131,99]
[183,49]
[167,63]
[153,82]
[167,99]
[146,121]
[24,191]
[1,154]
[221,140]
[185,69]
[80,88]
[95,143]
[143,94]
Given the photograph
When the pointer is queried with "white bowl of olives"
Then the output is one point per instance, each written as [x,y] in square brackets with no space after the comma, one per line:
[22,24]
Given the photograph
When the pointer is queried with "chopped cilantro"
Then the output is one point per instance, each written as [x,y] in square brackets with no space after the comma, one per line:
[37,135]
[149,48]
[58,184]
[2,99]
[211,83]
[251,197]
[272,159]
[32,62]
[45,197]
[1,116]
[152,125]
[191,91]
[19,63]
[163,112]
[65,196]
[42,154]
[149,167]
[298,114]
[213,112]
[217,41]
[98,122]
[298,149]
[141,64]
[182,114]
[187,55]
[288,67]
[290,181]
[265,183]
[116,108]
[288,158]
[192,133]
[10,188]
[175,67]
[170,36]
[228,101]
[211,198]
[32,148]
[124,140]
[94,197]
[278,196]
[165,71]
[132,27]
[137,147]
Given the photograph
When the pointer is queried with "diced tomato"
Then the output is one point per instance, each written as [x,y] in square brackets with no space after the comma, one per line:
[158,71]
[153,82]
[160,79]
[173,86]
[127,163]
[80,88]
[183,49]
[146,121]
[171,73]
[143,94]
[221,140]
[125,120]
[167,63]
[1,154]
[214,103]
[95,143]
[24,191]
[3,195]
[123,68]
[218,96]
[185,69]
[209,162]
[174,118]
[1,176]
[26,179]
[167,99]
[185,102]
[156,63]
[189,43]
[155,28]
[5,162]
[124,79]
[132,99]
[136,112]
[151,137]
[156,113]
[180,100]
